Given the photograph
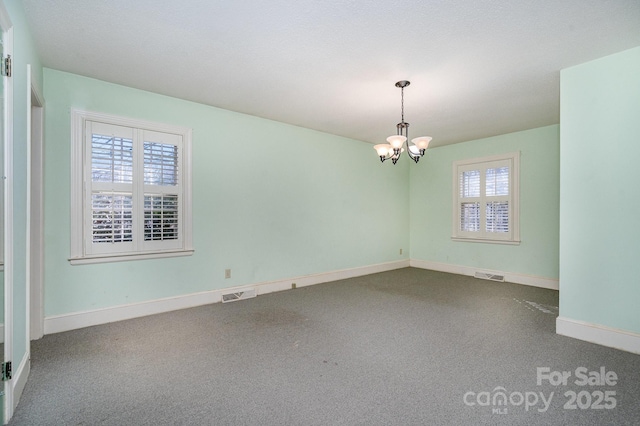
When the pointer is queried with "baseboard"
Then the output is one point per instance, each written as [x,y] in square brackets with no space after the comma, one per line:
[531,280]
[75,320]
[599,334]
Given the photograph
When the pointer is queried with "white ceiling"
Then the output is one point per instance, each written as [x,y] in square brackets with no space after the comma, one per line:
[477,67]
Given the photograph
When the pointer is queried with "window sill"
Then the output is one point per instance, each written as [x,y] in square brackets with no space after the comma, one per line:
[486,240]
[127,257]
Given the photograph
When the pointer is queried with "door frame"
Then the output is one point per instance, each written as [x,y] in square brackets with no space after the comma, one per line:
[6,28]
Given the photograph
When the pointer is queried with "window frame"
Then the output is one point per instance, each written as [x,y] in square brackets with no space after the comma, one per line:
[81,186]
[482,164]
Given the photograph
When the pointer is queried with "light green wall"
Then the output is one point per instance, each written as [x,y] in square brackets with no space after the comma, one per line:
[270,201]
[431,206]
[23,53]
[600,152]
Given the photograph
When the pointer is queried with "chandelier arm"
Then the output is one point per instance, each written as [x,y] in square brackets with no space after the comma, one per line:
[412,156]
[389,156]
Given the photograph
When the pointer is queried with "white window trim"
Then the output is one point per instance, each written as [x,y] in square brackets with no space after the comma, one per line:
[514,190]
[78,126]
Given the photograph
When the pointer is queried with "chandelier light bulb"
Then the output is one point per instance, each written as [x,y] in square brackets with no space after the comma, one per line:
[382,149]
[396,141]
[422,142]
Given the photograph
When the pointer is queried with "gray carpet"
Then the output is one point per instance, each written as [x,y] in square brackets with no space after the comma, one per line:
[397,348]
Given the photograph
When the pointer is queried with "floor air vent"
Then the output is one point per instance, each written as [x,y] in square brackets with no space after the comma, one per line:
[239,295]
[490,277]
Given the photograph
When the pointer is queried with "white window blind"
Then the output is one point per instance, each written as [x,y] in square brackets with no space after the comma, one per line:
[135,197]
[162,193]
[111,217]
[486,199]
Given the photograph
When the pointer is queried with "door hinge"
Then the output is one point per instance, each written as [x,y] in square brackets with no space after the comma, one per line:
[6,371]
[6,66]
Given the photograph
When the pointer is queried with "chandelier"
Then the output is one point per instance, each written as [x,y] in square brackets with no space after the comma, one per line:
[393,149]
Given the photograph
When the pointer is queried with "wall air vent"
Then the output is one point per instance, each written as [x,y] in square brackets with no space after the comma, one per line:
[489,276]
[239,295]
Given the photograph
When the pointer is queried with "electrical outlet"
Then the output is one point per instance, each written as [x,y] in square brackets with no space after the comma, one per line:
[227,273]
[400,251]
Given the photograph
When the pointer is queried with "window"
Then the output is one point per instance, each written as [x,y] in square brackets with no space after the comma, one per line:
[486,199]
[131,189]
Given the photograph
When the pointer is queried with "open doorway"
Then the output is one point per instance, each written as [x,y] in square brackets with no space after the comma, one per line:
[35,225]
